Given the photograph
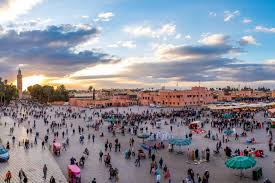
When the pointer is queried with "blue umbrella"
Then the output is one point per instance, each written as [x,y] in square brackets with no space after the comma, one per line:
[227,115]
[228,132]
[4,154]
[143,136]
[180,142]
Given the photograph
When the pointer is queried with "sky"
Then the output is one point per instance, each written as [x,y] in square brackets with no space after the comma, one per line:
[138,43]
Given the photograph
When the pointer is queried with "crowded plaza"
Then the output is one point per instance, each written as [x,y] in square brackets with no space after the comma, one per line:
[138,143]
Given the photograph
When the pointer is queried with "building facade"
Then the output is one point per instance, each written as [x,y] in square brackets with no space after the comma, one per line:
[242,94]
[177,98]
[117,100]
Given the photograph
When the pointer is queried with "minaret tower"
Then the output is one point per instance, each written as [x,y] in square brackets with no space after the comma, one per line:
[19,83]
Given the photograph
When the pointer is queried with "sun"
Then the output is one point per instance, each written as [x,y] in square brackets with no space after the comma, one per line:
[32,80]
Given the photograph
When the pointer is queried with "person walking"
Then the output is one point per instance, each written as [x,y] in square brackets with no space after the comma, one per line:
[100,155]
[45,169]
[52,179]
[21,174]
[43,145]
[93,137]
[8,177]
[160,163]
[94,180]
[205,178]
[137,162]
[25,179]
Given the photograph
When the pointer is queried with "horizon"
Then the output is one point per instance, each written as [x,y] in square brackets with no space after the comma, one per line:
[138,44]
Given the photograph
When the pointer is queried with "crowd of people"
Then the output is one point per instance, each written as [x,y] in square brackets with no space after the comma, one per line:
[128,124]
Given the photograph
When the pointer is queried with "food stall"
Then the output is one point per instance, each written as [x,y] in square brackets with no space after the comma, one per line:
[74,175]
[56,148]
[194,125]
[272,120]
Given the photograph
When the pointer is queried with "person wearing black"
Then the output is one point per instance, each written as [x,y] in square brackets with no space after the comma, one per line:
[153,157]
[93,137]
[52,180]
[137,162]
[191,174]
[205,178]
[25,179]
[149,152]
[207,154]
[94,180]
[197,154]
[160,163]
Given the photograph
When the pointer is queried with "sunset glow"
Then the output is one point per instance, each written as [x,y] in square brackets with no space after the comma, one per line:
[32,80]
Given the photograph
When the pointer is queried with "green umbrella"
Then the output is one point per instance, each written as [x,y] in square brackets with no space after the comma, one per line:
[143,136]
[179,142]
[228,132]
[240,163]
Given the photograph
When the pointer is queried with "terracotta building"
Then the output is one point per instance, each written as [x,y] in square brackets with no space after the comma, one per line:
[229,96]
[177,98]
[117,100]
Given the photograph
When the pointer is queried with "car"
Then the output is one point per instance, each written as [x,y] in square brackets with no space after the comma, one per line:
[4,154]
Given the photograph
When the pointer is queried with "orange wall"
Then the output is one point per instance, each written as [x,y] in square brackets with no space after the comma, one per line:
[86,102]
[195,96]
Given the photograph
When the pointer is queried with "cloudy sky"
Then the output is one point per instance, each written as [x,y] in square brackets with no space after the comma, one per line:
[138,43]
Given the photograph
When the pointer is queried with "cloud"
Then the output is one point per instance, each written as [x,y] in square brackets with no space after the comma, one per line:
[178,36]
[260,28]
[104,17]
[229,15]
[148,31]
[246,40]
[212,14]
[247,20]
[124,44]
[128,44]
[270,62]
[84,16]
[193,63]
[203,69]
[113,45]
[11,9]
[214,39]
[48,51]
[187,37]
[194,52]
[25,25]
[186,64]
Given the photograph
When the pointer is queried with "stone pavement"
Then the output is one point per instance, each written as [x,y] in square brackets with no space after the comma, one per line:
[178,164]
[31,160]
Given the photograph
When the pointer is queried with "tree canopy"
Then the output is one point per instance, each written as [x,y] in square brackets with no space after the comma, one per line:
[48,93]
[7,92]
[90,88]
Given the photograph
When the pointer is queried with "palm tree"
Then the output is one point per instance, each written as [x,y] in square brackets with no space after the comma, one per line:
[90,88]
